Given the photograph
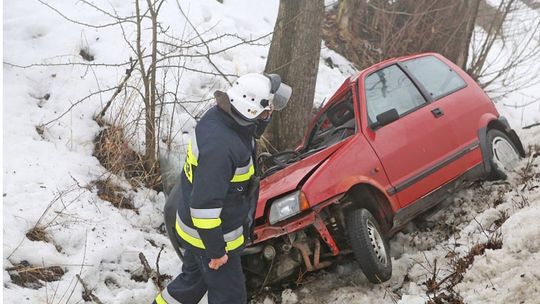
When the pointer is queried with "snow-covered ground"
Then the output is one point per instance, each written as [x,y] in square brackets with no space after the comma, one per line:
[48,173]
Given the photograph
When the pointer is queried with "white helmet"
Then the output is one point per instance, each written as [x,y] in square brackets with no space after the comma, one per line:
[250,95]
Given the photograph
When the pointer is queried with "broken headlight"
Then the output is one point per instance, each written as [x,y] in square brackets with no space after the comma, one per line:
[287,206]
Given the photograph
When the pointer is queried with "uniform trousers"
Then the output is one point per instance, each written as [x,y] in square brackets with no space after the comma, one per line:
[225,285]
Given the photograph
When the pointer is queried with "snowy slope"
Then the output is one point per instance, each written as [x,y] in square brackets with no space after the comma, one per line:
[48,175]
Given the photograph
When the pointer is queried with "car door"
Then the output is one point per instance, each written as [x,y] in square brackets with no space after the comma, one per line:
[413,149]
[463,105]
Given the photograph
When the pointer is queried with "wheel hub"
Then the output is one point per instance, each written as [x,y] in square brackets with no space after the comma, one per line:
[504,154]
[377,242]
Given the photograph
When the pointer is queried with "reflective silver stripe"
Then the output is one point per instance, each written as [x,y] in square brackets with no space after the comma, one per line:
[229,236]
[244,169]
[167,297]
[205,213]
[194,146]
[188,230]
[233,235]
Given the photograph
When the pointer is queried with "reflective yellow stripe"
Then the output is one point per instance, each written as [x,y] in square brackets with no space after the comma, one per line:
[191,161]
[232,245]
[244,177]
[191,157]
[196,242]
[159,299]
[188,238]
[206,223]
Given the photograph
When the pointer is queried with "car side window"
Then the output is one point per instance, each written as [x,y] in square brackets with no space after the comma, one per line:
[334,125]
[437,77]
[390,88]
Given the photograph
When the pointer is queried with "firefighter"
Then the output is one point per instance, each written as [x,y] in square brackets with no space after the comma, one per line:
[214,217]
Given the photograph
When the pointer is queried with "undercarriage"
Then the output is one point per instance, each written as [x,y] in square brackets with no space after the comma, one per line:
[288,257]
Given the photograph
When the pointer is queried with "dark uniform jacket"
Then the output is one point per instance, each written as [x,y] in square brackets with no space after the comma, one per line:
[215,178]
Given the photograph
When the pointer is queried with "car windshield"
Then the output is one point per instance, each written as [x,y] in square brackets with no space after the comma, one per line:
[334,125]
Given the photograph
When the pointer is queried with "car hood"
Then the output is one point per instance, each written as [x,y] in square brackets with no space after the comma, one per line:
[289,178]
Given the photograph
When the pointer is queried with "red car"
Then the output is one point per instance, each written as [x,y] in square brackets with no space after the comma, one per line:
[393,141]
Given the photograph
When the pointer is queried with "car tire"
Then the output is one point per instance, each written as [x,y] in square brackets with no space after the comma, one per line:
[503,154]
[369,244]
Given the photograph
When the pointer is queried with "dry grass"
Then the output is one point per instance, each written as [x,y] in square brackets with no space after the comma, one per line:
[113,151]
[31,276]
[112,193]
[441,291]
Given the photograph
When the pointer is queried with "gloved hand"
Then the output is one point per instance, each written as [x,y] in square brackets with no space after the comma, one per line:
[216,263]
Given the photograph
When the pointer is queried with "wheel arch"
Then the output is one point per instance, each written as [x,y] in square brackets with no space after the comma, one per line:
[500,123]
[367,196]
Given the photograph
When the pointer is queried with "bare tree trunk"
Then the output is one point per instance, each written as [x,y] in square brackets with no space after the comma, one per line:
[367,32]
[471,7]
[150,109]
[294,55]
[144,77]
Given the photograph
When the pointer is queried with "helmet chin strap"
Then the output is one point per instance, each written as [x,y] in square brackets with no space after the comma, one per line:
[239,120]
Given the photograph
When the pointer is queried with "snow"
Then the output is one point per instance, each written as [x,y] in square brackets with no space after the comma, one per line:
[47,178]
[515,97]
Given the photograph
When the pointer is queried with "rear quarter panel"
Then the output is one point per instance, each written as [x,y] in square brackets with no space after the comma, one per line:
[469,108]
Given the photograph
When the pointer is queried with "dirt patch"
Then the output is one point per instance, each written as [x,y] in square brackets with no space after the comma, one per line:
[37,234]
[86,54]
[40,234]
[108,191]
[114,153]
[31,276]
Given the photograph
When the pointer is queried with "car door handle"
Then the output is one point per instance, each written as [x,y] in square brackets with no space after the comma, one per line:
[437,112]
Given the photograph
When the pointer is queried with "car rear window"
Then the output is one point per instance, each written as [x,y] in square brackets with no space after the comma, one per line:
[437,77]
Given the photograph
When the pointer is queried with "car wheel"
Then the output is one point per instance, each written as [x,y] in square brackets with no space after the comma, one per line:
[369,245]
[504,154]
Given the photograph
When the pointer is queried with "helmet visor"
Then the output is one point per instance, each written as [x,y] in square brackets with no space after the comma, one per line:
[281,97]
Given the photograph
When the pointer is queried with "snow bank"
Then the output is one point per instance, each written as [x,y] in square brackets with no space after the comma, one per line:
[48,173]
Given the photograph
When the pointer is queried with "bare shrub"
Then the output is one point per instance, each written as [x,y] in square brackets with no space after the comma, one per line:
[114,152]
[441,290]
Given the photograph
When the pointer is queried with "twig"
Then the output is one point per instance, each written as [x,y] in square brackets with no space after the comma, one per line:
[75,104]
[79,22]
[205,44]
[158,275]
[88,292]
[151,274]
[118,88]
[82,265]
[33,65]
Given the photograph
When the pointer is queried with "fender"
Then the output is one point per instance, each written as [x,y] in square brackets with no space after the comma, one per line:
[488,121]
[347,184]
[513,135]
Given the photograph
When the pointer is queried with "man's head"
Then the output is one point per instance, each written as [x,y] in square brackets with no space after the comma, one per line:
[253,97]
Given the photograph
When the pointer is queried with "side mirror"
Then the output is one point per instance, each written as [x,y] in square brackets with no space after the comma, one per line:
[387,117]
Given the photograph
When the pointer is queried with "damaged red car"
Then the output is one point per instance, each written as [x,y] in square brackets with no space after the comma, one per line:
[392,142]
